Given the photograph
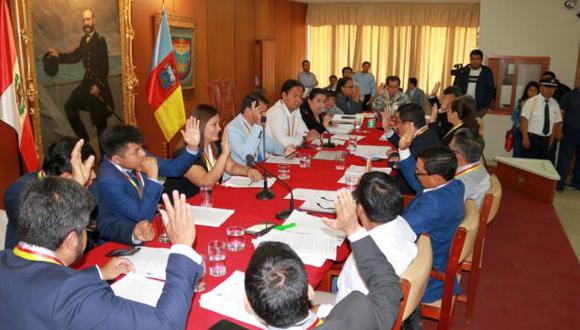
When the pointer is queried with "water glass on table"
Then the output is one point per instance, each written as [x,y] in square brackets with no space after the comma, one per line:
[304,161]
[216,254]
[236,241]
[206,195]
[200,285]
[352,141]
[351,180]
[340,161]
[284,171]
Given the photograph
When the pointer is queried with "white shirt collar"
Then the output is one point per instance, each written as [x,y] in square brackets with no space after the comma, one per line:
[119,167]
[461,168]
[38,249]
[304,324]
[286,111]
[438,187]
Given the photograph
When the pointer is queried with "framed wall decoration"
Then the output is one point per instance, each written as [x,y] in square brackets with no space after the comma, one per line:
[182,30]
[77,62]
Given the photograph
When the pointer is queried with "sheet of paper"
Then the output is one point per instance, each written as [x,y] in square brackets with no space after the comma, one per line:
[245,182]
[340,129]
[383,138]
[339,118]
[366,151]
[313,225]
[282,160]
[316,246]
[360,170]
[320,205]
[228,299]
[303,194]
[332,140]
[327,155]
[150,262]
[344,137]
[209,216]
[138,288]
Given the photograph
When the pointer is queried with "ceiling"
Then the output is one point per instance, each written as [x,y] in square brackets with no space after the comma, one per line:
[390,1]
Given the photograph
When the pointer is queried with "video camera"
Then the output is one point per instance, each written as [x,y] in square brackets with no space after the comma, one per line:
[457,68]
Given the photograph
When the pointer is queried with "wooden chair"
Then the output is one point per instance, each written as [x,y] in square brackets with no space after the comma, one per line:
[475,258]
[496,191]
[222,96]
[414,280]
[461,247]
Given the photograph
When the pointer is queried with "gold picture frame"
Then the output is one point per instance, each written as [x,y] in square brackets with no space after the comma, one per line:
[182,29]
[21,12]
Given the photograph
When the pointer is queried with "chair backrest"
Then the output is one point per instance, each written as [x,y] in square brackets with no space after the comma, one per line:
[471,224]
[418,274]
[222,96]
[496,191]
[407,199]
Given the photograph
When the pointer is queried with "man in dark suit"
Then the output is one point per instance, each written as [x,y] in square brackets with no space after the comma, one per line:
[410,117]
[93,94]
[128,176]
[39,291]
[277,286]
[438,208]
[476,80]
[58,163]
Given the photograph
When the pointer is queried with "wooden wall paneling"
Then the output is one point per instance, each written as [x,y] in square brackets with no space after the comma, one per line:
[220,31]
[268,67]
[298,26]
[283,45]
[244,46]
[265,20]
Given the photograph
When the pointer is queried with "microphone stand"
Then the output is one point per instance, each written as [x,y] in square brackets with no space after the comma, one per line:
[284,214]
[265,193]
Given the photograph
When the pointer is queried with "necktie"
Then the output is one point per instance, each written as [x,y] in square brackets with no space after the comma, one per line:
[133,175]
[546,128]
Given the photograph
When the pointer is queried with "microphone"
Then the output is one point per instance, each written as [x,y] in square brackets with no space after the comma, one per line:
[265,193]
[284,214]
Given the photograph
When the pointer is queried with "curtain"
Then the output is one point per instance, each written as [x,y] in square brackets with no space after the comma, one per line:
[426,52]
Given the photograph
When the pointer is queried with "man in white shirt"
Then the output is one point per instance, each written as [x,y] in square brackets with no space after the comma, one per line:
[367,84]
[541,122]
[307,78]
[285,124]
[476,80]
[468,146]
[379,207]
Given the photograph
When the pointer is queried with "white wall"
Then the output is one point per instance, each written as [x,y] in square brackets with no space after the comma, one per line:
[527,28]
[3,224]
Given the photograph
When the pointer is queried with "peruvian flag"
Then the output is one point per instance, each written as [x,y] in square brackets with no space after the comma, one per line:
[12,101]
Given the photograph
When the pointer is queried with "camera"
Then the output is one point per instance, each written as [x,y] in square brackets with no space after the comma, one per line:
[457,68]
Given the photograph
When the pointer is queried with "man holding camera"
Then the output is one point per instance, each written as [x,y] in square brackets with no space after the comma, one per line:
[476,80]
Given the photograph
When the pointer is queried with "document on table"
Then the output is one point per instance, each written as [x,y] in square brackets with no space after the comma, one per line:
[320,205]
[327,155]
[303,194]
[209,216]
[245,182]
[346,137]
[138,288]
[366,151]
[336,142]
[303,244]
[360,170]
[150,262]
[313,225]
[340,129]
[282,160]
[228,299]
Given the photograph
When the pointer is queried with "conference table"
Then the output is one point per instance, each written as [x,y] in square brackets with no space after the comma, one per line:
[250,211]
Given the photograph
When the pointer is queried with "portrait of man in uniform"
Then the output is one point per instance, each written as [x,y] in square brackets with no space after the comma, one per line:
[78,65]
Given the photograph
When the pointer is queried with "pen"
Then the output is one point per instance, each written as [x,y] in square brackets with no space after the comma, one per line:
[291,154]
[284,227]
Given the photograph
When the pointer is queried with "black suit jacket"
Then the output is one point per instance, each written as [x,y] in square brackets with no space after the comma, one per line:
[484,89]
[95,58]
[378,309]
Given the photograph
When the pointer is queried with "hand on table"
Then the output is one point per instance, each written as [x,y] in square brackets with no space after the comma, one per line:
[346,217]
[116,267]
[178,220]
[144,231]
[254,174]
[289,149]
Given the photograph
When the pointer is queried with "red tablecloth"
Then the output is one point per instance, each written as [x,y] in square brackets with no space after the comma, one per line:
[250,211]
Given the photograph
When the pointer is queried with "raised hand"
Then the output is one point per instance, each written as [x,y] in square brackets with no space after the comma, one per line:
[81,171]
[386,122]
[436,88]
[381,89]
[226,150]
[346,217]
[254,175]
[191,134]
[407,138]
[178,220]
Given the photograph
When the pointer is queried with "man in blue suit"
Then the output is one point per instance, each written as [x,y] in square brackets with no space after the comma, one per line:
[438,208]
[39,291]
[58,163]
[128,176]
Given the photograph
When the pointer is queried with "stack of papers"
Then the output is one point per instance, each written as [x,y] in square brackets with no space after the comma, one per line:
[367,152]
[245,182]
[327,155]
[228,299]
[343,137]
[348,119]
[138,288]
[150,262]
[282,160]
[360,170]
[340,129]
[332,140]
[209,216]
[303,194]
[312,225]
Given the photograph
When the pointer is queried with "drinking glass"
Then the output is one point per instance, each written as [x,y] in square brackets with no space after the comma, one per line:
[352,141]
[284,171]
[236,241]
[216,253]
[200,285]
[340,161]
[304,161]
[206,195]
[351,180]
[163,237]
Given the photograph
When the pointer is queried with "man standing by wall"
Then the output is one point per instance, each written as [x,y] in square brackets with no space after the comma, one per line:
[93,94]
[307,78]
[367,84]
[477,80]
